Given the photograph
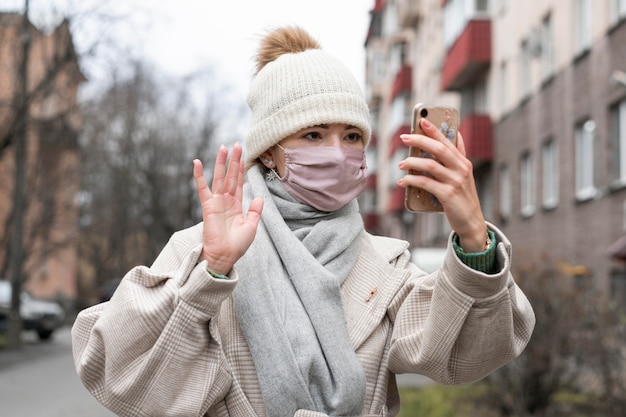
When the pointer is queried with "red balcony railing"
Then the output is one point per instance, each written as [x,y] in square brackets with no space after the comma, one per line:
[403,81]
[477,131]
[468,57]
[396,199]
[396,143]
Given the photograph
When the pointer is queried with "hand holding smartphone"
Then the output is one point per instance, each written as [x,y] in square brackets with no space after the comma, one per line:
[447,120]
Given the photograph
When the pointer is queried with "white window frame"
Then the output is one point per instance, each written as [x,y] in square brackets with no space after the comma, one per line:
[618,11]
[394,172]
[550,174]
[503,87]
[457,13]
[399,112]
[367,201]
[582,25]
[527,184]
[618,143]
[506,193]
[378,61]
[547,47]
[584,157]
[525,70]
[390,19]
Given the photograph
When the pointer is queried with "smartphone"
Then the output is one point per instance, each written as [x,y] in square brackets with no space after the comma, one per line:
[447,119]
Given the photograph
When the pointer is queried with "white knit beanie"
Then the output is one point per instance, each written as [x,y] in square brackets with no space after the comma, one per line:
[300,90]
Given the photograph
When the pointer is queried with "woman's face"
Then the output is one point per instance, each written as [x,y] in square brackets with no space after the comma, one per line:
[336,134]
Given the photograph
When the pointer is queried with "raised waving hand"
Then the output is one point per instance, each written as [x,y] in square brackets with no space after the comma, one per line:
[227,233]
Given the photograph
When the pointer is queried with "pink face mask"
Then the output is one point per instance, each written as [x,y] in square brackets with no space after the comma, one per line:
[324,177]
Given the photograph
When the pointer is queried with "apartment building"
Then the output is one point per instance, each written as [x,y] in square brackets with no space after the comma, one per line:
[51,125]
[543,115]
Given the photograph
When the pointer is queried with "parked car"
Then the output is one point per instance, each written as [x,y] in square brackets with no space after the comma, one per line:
[41,316]
[106,290]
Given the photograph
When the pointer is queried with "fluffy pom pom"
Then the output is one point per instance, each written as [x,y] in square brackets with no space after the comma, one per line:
[284,40]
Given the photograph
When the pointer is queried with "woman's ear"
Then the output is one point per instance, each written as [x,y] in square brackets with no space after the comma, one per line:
[267,159]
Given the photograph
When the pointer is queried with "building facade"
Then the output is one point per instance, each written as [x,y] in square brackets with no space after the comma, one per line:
[540,88]
[51,121]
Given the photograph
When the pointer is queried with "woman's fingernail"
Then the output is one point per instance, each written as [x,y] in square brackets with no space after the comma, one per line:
[405,138]
[425,123]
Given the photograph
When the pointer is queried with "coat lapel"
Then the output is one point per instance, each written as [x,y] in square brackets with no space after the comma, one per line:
[372,284]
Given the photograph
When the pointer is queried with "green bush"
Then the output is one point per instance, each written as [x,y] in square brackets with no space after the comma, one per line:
[435,400]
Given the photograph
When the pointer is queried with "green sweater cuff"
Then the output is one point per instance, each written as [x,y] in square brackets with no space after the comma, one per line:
[479,261]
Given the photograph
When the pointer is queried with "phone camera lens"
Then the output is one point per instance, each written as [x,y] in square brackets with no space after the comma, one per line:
[423,112]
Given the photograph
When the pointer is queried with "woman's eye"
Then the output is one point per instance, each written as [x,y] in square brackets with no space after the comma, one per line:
[354,137]
[312,136]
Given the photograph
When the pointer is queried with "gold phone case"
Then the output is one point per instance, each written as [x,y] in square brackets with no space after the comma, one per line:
[447,119]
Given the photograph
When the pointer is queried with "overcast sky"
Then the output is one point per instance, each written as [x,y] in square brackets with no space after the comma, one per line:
[182,36]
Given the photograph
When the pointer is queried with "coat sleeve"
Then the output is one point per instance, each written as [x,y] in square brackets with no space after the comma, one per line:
[458,325]
[153,349]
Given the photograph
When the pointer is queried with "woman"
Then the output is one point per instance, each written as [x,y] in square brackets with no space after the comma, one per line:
[279,303]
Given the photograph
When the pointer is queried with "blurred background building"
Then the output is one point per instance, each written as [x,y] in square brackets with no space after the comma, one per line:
[542,94]
[47,114]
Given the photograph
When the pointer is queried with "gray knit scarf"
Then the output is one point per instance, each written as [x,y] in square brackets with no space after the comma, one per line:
[289,306]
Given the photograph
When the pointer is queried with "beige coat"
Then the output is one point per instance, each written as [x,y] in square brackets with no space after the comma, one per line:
[169,344]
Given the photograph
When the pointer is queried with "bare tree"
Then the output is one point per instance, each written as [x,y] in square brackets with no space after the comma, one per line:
[141,134]
[38,107]
[140,137]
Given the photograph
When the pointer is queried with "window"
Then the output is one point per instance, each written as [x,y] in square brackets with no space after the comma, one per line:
[390,19]
[582,25]
[547,48]
[550,174]
[527,186]
[377,26]
[371,156]
[618,143]
[397,57]
[367,201]
[401,112]
[457,14]
[618,11]
[503,90]
[584,138]
[378,62]
[505,193]
[474,99]
[504,6]
[624,216]
[394,172]
[525,68]
[486,195]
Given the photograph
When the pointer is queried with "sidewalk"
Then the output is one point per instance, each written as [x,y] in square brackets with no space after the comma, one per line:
[412,380]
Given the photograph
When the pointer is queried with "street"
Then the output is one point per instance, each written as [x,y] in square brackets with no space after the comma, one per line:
[39,380]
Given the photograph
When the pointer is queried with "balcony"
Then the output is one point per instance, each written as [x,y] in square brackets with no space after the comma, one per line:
[372,180]
[409,12]
[396,199]
[403,81]
[396,142]
[469,56]
[371,223]
[477,131]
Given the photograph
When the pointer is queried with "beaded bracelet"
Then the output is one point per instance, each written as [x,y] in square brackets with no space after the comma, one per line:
[216,275]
